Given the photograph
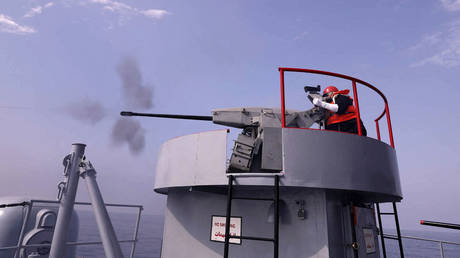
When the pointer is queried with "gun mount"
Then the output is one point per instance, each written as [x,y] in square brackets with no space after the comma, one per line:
[322,201]
[245,117]
[254,121]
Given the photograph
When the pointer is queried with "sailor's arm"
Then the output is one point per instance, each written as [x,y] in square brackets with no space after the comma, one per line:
[340,105]
[329,106]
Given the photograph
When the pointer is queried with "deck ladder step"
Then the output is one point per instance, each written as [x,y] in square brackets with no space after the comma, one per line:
[253,198]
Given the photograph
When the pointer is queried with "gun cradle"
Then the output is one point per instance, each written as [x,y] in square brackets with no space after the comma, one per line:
[261,128]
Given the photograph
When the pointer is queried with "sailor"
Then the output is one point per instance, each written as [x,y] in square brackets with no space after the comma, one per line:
[341,111]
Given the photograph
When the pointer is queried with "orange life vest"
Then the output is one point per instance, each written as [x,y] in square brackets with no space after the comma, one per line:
[349,114]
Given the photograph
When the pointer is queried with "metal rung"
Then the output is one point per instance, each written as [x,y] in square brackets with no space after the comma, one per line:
[390,237]
[245,144]
[249,174]
[387,213]
[253,198]
[242,155]
[254,238]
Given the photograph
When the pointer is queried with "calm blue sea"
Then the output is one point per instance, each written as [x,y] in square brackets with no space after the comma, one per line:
[150,233]
[151,230]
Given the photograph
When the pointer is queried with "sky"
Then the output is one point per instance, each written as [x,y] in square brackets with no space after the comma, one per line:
[69,67]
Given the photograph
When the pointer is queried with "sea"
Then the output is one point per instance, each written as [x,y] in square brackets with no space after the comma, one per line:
[151,230]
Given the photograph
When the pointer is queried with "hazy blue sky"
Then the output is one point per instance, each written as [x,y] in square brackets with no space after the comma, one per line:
[60,57]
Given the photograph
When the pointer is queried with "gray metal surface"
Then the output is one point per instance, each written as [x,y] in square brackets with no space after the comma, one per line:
[259,116]
[195,159]
[272,157]
[326,159]
[361,166]
[188,223]
[58,246]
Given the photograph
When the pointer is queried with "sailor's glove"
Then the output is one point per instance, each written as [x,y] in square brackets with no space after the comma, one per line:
[317,102]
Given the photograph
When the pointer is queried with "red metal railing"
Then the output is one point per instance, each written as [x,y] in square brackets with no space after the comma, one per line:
[354,81]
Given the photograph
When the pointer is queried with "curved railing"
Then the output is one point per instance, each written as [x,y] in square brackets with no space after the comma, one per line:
[354,81]
[441,243]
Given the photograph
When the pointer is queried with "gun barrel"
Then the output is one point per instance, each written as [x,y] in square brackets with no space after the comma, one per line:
[440,224]
[189,117]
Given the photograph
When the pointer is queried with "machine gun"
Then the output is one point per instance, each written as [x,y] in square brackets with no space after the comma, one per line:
[255,122]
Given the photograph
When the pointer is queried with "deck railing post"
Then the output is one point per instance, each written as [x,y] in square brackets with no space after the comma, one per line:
[283,107]
[138,219]
[358,116]
[377,128]
[23,229]
[390,129]
[441,249]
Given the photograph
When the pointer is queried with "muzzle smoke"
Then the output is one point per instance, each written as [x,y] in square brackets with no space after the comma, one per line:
[136,95]
[128,130]
[87,111]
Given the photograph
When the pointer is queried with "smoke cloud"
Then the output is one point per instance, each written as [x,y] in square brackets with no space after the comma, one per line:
[87,111]
[130,131]
[135,93]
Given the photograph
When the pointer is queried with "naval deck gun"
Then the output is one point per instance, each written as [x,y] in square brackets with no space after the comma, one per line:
[324,199]
[254,121]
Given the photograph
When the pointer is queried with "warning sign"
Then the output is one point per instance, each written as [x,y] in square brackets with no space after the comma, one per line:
[218,229]
[369,240]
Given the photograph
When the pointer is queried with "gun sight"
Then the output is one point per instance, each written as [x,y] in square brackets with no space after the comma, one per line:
[312,89]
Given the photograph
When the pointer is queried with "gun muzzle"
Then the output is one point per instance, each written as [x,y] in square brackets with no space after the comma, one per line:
[440,224]
[126,113]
